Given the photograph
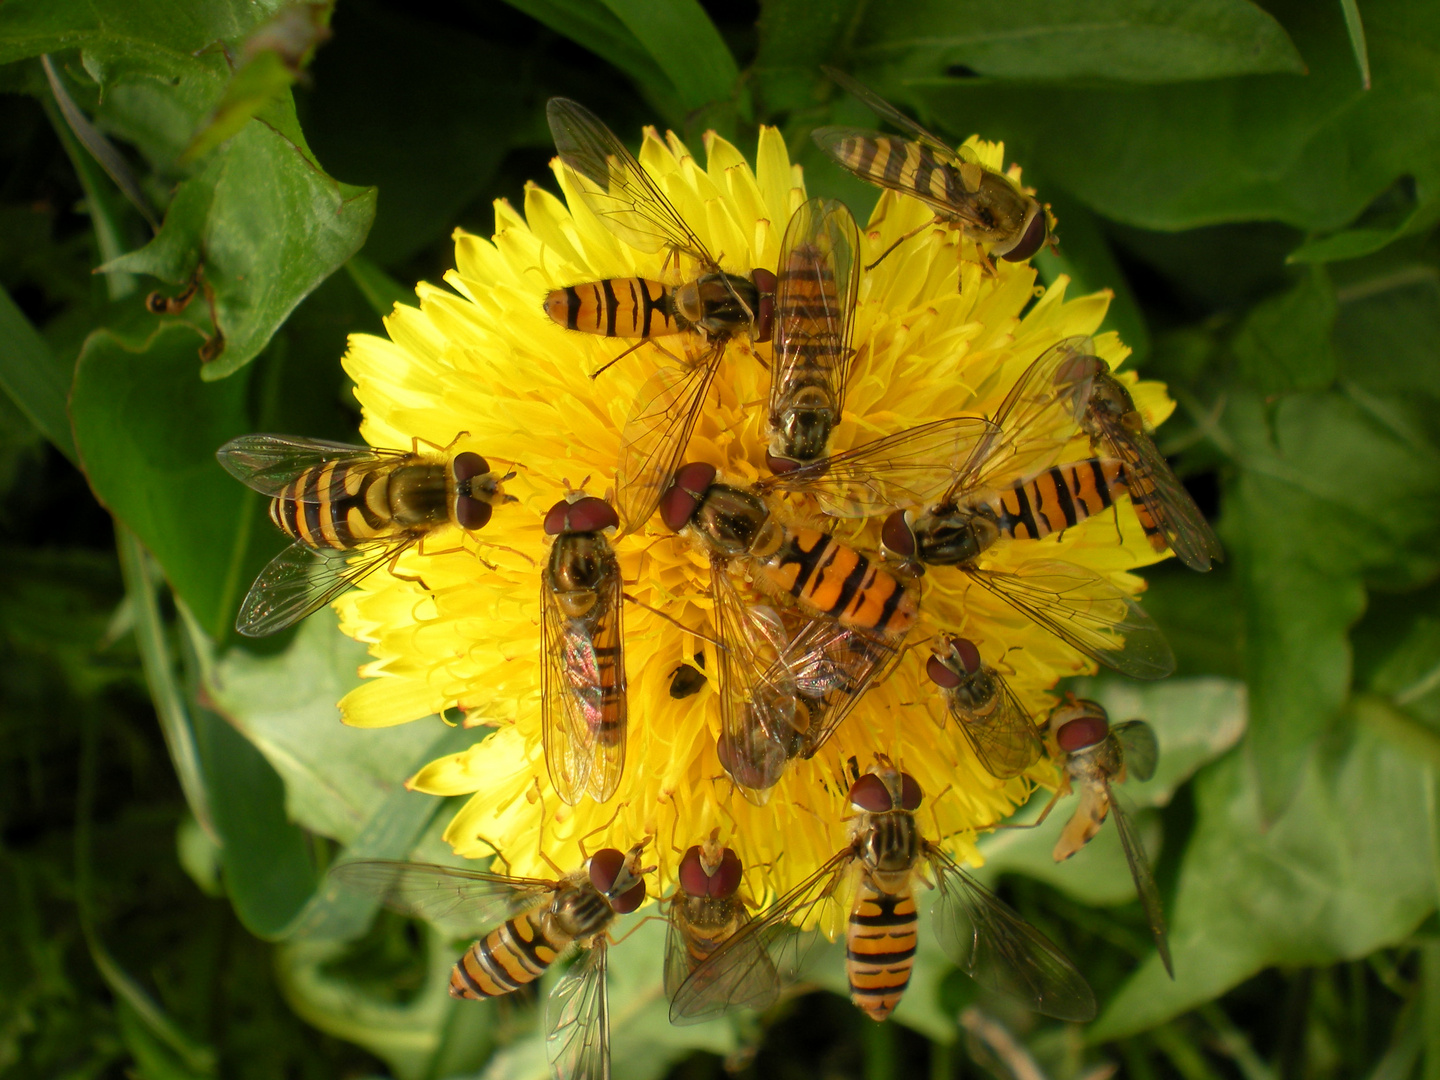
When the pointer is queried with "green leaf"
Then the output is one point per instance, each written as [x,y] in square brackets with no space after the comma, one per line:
[264,225]
[1284,343]
[796,37]
[591,24]
[685,45]
[1356,29]
[1333,879]
[1127,40]
[34,377]
[134,28]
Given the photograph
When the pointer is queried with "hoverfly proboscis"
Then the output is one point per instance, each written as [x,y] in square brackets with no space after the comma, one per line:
[715,305]
[349,510]
[983,204]
[885,857]
[1011,488]
[525,924]
[997,726]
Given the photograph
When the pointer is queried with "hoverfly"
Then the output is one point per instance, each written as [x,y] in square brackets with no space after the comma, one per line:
[336,500]
[885,857]
[984,205]
[1167,512]
[984,707]
[717,305]
[1095,755]
[985,503]
[814,320]
[584,711]
[704,911]
[527,923]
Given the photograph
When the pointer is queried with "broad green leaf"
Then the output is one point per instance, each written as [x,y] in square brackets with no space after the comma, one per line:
[685,45]
[1333,879]
[264,225]
[135,28]
[1200,616]
[381,291]
[1312,151]
[1125,40]
[591,24]
[1387,335]
[796,37]
[34,377]
[1284,342]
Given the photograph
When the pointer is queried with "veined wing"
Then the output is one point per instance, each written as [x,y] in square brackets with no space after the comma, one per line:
[584,748]
[301,580]
[268,463]
[680,961]
[1003,738]
[1000,950]
[910,468]
[616,187]
[946,153]
[831,667]
[1087,612]
[658,431]
[1140,871]
[577,1019]
[752,967]
[1137,743]
[427,891]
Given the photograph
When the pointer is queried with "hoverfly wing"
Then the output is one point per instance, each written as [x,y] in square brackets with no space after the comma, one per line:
[753,965]
[1140,871]
[268,463]
[426,891]
[301,580]
[1088,613]
[680,961]
[883,109]
[909,468]
[1000,950]
[577,1019]
[658,431]
[1005,739]
[831,667]
[616,187]
[1142,751]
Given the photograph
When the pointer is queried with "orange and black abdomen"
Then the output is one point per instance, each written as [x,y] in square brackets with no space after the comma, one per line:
[1143,493]
[904,166]
[837,580]
[808,314]
[512,955]
[597,679]
[334,505]
[880,948]
[630,307]
[1059,498]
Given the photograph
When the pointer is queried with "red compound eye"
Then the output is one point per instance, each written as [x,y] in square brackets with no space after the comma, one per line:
[910,793]
[870,793]
[967,653]
[467,466]
[629,900]
[471,513]
[693,879]
[555,518]
[780,465]
[896,535]
[726,878]
[941,673]
[1082,732]
[605,867]
[582,516]
[1031,241]
[682,498]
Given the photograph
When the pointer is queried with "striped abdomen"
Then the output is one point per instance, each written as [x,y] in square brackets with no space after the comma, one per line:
[808,313]
[909,167]
[597,680]
[1085,822]
[335,505]
[836,580]
[1144,494]
[1058,498]
[880,948]
[629,307]
[512,955]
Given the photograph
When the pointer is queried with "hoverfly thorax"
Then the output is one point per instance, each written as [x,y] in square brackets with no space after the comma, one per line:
[802,430]
[580,559]
[733,522]
[725,305]
[942,536]
[886,839]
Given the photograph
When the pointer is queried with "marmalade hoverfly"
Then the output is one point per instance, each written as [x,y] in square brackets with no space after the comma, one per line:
[527,924]
[337,500]
[884,858]
[584,712]
[984,205]
[997,726]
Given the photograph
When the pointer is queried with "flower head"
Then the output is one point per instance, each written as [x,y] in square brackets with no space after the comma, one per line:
[461,627]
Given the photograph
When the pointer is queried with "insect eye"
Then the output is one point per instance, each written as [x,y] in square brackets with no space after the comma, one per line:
[1031,241]
[941,673]
[1082,732]
[471,513]
[629,900]
[693,879]
[605,867]
[726,878]
[780,465]
[683,497]
[910,793]
[871,794]
[765,282]
[555,518]
[468,465]
[897,535]
[582,516]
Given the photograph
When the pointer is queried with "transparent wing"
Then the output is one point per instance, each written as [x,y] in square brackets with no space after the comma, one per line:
[880,107]
[301,580]
[577,1019]
[831,666]
[1000,950]
[658,431]
[751,968]
[268,462]
[757,695]
[909,468]
[818,282]
[1038,416]
[1152,483]
[616,187]
[1142,752]
[1003,735]
[681,950]
[427,891]
[1139,864]
[1088,613]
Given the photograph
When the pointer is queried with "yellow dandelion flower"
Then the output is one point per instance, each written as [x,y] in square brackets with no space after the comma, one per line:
[462,628]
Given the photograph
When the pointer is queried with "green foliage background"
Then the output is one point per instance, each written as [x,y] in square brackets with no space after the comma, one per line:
[1259,184]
